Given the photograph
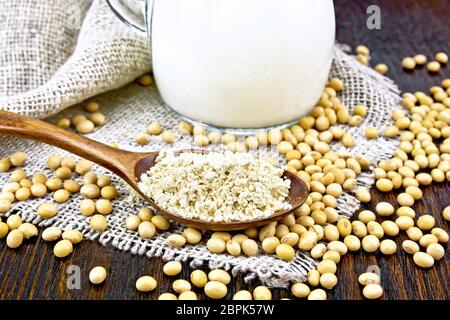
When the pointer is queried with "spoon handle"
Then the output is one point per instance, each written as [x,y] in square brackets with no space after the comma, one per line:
[115,160]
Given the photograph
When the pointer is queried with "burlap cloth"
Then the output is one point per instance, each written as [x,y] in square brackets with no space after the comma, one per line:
[55,54]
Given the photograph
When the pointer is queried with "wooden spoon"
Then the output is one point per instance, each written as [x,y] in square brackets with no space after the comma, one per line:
[130,165]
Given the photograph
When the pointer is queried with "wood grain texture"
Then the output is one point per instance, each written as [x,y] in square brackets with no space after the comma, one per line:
[408,27]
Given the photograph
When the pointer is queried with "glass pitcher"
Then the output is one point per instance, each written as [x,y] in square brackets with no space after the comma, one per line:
[237,63]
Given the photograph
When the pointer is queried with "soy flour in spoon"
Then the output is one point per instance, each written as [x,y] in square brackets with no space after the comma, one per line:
[216,187]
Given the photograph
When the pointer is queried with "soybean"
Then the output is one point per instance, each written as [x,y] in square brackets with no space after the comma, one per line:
[215,290]
[374,228]
[160,222]
[176,240]
[388,247]
[373,291]
[172,268]
[73,236]
[146,229]
[70,186]
[390,228]
[47,210]
[332,255]
[370,243]
[270,244]
[423,260]
[366,215]
[446,213]
[338,246]
[18,159]
[368,278]
[53,184]
[216,245]
[428,239]
[108,192]
[187,295]
[193,236]
[219,275]
[90,191]
[384,209]
[146,284]
[14,221]
[51,234]
[103,206]
[3,230]
[97,275]
[440,234]
[300,290]
[308,240]
[63,248]
[87,207]
[414,233]
[317,294]
[313,277]
[318,251]
[199,278]
[132,222]
[145,214]
[352,242]
[328,280]
[98,223]
[61,196]
[426,222]
[239,238]
[242,295]
[436,250]
[404,222]
[285,252]
[14,239]
[250,247]
[326,266]
[410,246]
[167,296]
[233,247]
[344,226]
[22,194]
[181,285]
[5,164]
[262,293]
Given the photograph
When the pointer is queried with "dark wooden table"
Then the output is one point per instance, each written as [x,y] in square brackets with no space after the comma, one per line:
[408,27]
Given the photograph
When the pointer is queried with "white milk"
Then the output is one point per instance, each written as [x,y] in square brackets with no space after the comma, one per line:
[242,63]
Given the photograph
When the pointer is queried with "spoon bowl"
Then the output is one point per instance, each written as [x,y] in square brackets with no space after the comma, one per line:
[298,193]
[131,165]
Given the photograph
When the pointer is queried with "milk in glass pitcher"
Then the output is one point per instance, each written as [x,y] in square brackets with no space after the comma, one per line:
[237,63]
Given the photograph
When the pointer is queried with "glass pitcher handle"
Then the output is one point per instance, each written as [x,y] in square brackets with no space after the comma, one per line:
[133,12]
